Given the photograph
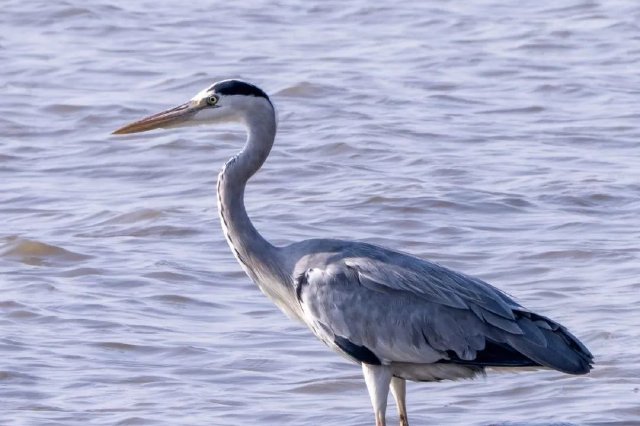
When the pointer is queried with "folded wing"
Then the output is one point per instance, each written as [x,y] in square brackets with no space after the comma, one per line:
[375,304]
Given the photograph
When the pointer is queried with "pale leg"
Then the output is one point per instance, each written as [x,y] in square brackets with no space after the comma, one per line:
[378,378]
[399,392]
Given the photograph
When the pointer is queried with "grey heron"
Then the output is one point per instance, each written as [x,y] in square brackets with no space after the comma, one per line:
[399,316]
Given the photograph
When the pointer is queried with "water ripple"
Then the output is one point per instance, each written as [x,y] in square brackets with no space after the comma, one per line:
[497,138]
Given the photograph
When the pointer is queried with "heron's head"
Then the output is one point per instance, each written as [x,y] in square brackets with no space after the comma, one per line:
[227,100]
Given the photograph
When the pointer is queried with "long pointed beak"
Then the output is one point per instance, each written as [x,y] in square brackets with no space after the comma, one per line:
[169,118]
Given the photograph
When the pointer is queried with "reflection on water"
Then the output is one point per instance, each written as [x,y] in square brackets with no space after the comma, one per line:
[497,139]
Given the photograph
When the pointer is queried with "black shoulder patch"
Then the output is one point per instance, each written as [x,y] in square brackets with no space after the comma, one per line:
[237,87]
[359,353]
[298,283]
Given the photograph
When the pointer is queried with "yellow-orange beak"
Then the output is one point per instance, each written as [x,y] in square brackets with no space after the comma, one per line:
[169,118]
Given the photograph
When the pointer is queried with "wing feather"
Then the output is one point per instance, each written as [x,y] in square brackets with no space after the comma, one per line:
[371,303]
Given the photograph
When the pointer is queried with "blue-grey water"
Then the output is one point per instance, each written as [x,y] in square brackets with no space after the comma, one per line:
[497,138]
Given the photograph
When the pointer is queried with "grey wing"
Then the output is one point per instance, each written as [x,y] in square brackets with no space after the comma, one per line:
[391,307]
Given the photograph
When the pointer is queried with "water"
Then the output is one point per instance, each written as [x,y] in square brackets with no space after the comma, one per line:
[498,139]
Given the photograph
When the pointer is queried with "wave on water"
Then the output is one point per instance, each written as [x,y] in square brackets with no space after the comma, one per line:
[37,253]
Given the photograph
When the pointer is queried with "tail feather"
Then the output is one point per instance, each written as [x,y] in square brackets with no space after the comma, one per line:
[560,349]
[541,342]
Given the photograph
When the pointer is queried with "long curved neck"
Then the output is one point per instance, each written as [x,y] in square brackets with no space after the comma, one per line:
[256,255]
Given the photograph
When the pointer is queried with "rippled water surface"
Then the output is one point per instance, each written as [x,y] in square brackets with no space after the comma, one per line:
[498,138]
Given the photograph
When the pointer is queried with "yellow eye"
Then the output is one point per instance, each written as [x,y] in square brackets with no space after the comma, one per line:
[212,100]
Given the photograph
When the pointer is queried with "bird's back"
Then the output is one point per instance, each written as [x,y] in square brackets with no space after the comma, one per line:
[400,308]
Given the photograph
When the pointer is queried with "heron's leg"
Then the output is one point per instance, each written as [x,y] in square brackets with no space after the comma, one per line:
[399,392]
[378,378]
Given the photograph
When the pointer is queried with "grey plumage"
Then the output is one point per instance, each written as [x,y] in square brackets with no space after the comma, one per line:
[399,316]
[405,309]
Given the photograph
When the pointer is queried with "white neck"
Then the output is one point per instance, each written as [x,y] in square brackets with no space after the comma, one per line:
[257,256]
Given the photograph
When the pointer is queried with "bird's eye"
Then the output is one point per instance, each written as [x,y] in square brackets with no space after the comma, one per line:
[212,100]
